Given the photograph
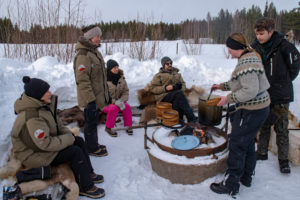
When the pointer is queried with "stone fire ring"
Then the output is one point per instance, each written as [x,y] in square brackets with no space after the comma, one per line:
[196,166]
[186,174]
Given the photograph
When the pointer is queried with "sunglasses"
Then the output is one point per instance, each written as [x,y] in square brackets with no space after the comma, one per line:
[169,63]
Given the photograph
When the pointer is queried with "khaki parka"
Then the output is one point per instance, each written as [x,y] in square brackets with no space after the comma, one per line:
[38,139]
[119,91]
[90,74]
[163,79]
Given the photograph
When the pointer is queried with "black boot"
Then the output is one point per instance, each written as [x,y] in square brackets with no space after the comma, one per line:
[221,188]
[246,180]
[284,166]
[261,156]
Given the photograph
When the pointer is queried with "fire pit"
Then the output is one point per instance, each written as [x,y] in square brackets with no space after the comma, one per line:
[187,166]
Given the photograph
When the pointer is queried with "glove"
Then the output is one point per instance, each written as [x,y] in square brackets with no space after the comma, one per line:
[34,173]
[177,86]
[91,110]
[215,87]
[223,101]
[120,104]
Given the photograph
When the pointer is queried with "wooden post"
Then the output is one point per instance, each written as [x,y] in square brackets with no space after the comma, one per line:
[145,138]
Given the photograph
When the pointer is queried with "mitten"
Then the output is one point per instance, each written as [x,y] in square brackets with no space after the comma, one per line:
[177,86]
[34,173]
[120,104]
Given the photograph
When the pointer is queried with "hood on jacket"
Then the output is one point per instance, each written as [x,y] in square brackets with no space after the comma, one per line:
[161,70]
[25,102]
[84,43]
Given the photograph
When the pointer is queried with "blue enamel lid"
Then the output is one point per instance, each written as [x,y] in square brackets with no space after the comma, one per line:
[185,142]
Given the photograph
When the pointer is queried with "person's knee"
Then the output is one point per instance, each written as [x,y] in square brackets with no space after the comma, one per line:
[127,107]
[79,141]
[112,108]
[76,150]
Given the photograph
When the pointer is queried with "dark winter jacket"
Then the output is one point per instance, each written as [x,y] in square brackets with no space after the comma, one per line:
[281,62]
[90,75]
[38,134]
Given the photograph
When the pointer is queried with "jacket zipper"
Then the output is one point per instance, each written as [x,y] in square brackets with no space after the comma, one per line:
[241,122]
[271,72]
[291,60]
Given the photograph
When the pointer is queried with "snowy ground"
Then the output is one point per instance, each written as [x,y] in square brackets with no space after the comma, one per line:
[127,169]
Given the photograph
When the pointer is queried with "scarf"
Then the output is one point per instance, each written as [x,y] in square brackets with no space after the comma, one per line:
[114,78]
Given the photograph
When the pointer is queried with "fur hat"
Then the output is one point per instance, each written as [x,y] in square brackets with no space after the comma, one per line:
[91,31]
[34,87]
[111,64]
[164,60]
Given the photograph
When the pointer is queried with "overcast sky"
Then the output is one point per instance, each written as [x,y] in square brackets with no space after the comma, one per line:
[161,10]
[173,10]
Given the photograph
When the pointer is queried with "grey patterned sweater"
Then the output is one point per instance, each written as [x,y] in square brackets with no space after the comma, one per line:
[248,84]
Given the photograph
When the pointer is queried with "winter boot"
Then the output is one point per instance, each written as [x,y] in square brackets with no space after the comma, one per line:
[99,153]
[129,131]
[12,192]
[246,180]
[221,188]
[284,166]
[94,193]
[102,146]
[97,178]
[261,156]
[111,132]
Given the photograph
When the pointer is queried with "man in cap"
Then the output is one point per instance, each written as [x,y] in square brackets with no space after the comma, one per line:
[168,86]
[92,89]
[40,139]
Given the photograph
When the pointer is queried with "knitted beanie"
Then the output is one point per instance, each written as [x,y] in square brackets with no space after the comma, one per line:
[91,31]
[35,87]
[111,64]
[164,60]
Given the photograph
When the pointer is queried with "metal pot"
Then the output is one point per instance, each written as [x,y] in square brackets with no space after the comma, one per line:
[209,115]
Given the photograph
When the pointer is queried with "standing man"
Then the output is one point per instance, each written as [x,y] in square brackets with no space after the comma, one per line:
[281,61]
[92,89]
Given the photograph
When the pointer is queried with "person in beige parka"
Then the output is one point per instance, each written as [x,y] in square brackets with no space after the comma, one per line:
[40,139]
[168,86]
[92,89]
[119,92]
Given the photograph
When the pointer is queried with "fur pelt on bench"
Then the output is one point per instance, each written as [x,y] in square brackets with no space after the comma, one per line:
[147,99]
[75,114]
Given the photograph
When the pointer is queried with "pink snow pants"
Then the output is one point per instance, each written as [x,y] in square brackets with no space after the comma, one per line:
[112,112]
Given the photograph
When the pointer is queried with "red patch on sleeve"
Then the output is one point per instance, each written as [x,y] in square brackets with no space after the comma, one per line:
[39,134]
[81,68]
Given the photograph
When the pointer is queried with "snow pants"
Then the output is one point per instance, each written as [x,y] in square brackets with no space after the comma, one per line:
[279,118]
[90,129]
[80,163]
[181,104]
[242,159]
[112,112]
